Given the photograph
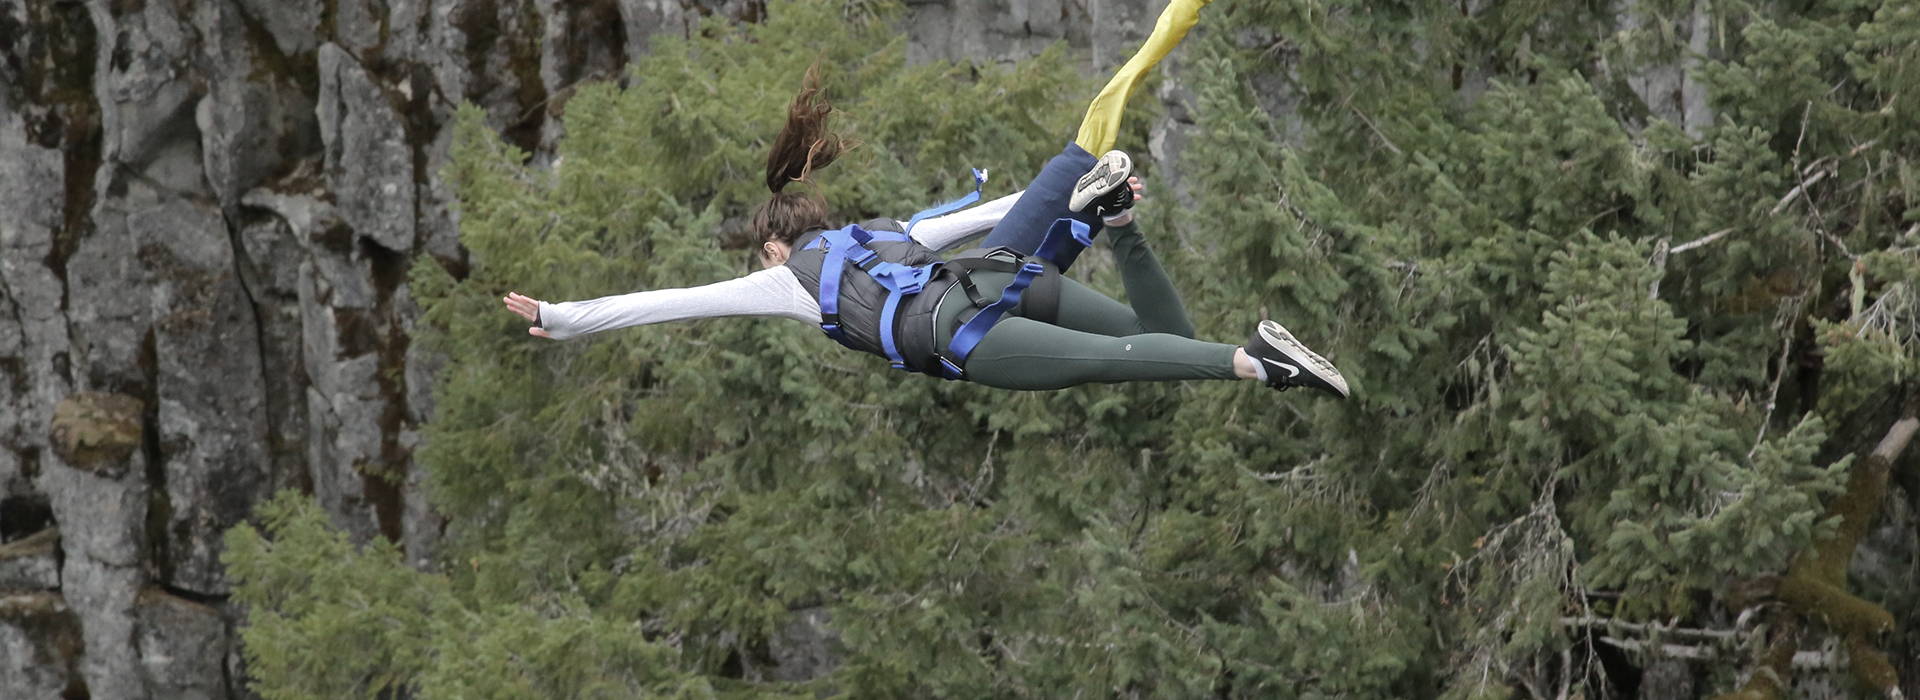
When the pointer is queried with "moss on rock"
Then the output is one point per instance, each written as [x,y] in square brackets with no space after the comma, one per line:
[97,432]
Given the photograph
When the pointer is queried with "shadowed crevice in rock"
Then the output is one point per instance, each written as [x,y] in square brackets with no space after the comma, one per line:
[50,58]
[503,61]
[159,504]
[267,264]
[381,486]
[24,514]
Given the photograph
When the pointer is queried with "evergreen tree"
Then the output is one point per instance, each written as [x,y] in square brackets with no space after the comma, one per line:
[1613,375]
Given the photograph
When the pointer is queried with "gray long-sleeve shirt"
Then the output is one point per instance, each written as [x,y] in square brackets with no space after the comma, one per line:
[770,292]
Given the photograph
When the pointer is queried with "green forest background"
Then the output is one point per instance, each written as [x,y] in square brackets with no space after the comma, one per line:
[1613,377]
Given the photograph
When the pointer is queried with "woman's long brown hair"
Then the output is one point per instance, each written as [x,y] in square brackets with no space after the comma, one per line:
[803,146]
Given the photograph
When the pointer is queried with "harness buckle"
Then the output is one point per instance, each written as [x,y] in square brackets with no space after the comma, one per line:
[951,371]
[905,279]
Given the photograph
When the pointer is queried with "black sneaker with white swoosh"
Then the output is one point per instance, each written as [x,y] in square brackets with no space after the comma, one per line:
[1288,364]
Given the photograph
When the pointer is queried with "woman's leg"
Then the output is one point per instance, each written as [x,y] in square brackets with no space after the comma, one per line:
[1156,307]
[1149,289]
[1046,198]
[1044,202]
[1027,355]
[1096,340]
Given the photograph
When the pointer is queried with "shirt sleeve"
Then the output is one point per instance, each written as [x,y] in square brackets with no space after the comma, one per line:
[944,232]
[770,292]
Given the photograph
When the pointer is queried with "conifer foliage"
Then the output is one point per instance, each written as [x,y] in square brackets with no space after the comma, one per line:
[1632,383]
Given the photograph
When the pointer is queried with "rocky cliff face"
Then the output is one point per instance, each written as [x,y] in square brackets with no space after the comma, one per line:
[207,210]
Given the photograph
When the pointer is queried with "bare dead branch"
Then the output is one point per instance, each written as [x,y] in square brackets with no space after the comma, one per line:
[1805,660]
[1797,191]
[1376,130]
[1613,624]
[1896,440]
[1659,263]
[1703,240]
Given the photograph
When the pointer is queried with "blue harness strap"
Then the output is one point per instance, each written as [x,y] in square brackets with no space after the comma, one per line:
[979,180]
[900,281]
[1058,235]
[975,329]
[850,245]
[970,334]
[842,246]
[836,244]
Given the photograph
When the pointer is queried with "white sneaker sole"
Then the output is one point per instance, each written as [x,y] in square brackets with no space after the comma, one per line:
[1113,170]
[1277,336]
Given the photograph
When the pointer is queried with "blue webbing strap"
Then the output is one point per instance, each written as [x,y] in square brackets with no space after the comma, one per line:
[836,244]
[970,334]
[850,245]
[900,281]
[1074,229]
[843,246]
[979,180]
[863,236]
[975,329]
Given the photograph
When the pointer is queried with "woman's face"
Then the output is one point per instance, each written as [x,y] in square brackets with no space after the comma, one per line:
[774,254]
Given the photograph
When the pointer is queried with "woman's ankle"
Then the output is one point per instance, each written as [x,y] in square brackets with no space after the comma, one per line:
[1243,366]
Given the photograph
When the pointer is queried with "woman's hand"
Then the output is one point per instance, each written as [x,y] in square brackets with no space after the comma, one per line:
[529,309]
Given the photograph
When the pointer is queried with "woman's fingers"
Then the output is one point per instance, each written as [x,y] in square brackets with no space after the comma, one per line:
[527,308]
[514,306]
[1139,190]
[522,305]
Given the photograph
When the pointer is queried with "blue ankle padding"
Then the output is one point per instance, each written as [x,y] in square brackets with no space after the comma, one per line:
[1026,225]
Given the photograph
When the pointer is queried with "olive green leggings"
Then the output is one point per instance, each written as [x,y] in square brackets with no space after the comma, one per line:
[1094,339]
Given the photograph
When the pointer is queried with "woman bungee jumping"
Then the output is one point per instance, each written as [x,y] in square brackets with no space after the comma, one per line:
[1004,314]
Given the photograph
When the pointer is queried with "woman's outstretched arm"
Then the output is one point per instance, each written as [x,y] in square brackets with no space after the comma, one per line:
[769,292]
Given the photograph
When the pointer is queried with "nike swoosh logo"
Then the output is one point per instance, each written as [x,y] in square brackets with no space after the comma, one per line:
[1292,371]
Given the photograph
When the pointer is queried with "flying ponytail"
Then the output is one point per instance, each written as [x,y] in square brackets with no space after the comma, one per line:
[803,146]
[804,143]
